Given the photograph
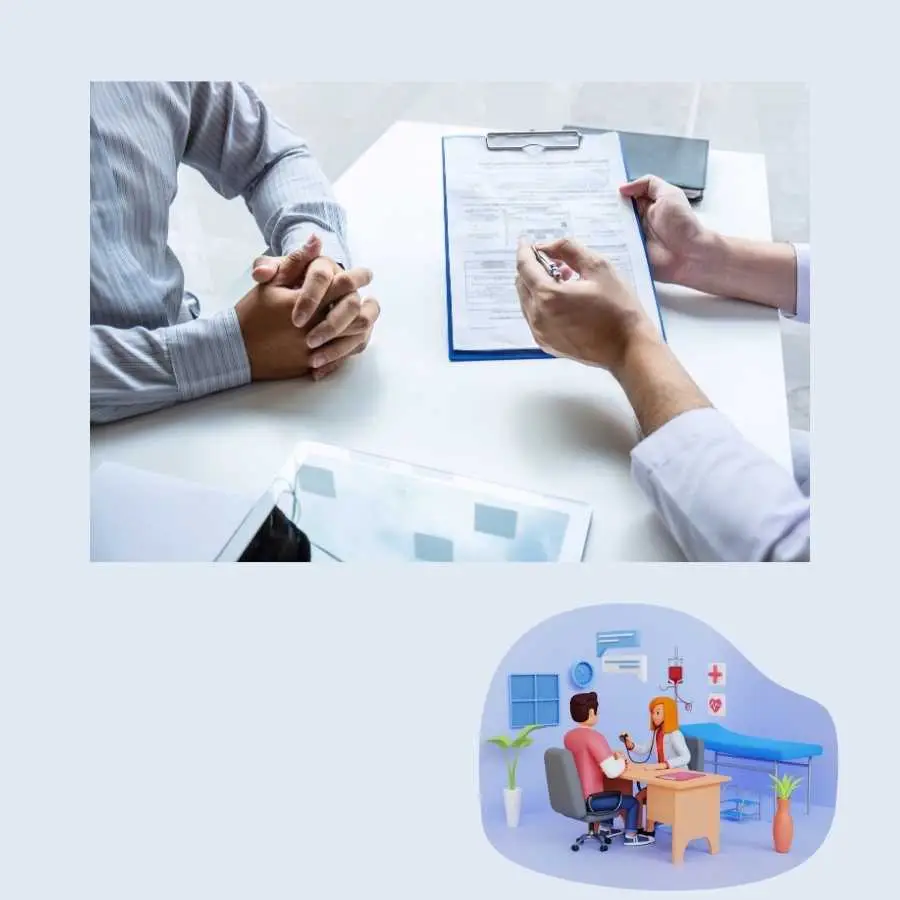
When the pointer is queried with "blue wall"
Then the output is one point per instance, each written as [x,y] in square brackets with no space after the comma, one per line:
[755,705]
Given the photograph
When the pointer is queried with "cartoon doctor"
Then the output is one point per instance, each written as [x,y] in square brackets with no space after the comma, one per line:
[666,744]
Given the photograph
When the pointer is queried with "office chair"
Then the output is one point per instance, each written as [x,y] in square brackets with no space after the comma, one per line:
[697,748]
[567,797]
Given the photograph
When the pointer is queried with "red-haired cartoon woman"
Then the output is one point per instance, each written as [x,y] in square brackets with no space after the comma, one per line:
[667,744]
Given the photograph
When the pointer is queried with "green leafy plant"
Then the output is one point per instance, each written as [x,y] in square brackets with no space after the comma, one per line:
[785,786]
[512,747]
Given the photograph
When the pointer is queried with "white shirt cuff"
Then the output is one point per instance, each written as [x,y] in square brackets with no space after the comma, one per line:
[801,313]
[612,767]
[720,497]
[655,452]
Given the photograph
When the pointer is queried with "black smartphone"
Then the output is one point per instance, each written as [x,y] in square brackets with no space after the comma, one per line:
[278,539]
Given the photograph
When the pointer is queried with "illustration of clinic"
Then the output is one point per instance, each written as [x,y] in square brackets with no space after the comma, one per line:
[633,746]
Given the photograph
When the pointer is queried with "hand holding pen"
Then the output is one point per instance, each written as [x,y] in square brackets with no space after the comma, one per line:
[556,272]
[588,313]
[550,267]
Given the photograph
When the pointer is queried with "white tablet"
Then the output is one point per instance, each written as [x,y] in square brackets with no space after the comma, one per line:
[355,507]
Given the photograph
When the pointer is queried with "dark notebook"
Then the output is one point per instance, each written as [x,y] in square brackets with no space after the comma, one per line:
[680,161]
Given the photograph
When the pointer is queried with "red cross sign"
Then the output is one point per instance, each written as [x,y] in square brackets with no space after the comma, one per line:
[716,674]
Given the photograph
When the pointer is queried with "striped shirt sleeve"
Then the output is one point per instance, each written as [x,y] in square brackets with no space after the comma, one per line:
[243,150]
[139,370]
[147,352]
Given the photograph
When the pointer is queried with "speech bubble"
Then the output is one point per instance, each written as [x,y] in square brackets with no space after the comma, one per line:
[606,640]
[619,663]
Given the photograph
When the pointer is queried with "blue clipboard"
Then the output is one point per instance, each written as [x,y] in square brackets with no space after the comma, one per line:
[516,141]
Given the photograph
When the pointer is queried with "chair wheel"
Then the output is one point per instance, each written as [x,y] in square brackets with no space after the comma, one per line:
[575,848]
[607,841]
[604,848]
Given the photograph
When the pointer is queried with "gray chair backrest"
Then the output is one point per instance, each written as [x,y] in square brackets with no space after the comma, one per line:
[697,748]
[563,783]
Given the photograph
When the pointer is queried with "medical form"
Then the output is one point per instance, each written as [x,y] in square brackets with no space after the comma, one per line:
[493,197]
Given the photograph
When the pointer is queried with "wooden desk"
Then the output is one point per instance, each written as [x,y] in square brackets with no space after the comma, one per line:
[691,808]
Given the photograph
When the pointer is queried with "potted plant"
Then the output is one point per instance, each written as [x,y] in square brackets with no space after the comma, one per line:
[783,822]
[512,747]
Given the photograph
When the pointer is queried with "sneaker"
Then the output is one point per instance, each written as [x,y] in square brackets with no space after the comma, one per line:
[611,831]
[639,840]
[647,833]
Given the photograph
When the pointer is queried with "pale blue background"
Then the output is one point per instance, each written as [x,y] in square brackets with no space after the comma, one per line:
[154,740]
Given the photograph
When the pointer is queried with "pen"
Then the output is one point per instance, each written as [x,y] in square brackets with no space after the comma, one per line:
[550,267]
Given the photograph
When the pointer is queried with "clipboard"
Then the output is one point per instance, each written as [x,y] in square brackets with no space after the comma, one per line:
[533,143]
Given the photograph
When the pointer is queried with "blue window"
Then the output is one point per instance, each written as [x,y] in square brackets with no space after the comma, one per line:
[533,700]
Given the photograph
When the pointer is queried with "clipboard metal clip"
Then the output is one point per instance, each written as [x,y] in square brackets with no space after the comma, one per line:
[533,141]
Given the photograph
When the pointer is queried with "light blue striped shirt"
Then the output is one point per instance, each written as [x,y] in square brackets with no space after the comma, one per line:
[150,348]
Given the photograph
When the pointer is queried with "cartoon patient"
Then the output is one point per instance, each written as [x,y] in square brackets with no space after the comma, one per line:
[596,763]
[666,744]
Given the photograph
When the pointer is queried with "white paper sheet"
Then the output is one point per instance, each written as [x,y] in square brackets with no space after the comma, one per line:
[140,516]
[494,197]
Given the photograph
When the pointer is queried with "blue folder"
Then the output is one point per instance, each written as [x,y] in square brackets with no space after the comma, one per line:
[511,141]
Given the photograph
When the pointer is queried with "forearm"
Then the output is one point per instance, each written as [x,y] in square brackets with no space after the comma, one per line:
[657,386]
[243,150]
[758,271]
[292,201]
[138,370]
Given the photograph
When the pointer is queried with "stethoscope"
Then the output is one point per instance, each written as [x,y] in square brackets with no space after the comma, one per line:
[646,759]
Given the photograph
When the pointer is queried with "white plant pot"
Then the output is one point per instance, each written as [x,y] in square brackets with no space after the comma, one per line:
[512,802]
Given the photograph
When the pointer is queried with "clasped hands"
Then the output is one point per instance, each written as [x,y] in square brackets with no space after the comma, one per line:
[305,315]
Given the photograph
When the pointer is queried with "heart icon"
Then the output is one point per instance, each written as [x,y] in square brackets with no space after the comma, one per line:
[715,704]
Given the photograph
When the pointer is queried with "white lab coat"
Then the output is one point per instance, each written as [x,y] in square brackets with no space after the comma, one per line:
[675,747]
[722,499]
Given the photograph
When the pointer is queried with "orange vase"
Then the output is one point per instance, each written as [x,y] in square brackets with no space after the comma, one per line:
[783,826]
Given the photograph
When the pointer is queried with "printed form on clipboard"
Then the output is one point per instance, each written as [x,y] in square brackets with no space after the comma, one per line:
[543,186]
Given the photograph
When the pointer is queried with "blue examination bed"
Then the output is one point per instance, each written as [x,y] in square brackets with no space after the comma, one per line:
[729,743]
[721,742]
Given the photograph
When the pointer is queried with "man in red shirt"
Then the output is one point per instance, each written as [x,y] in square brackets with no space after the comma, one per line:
[595,760]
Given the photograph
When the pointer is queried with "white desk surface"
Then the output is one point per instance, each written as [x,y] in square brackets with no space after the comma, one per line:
[546,425]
